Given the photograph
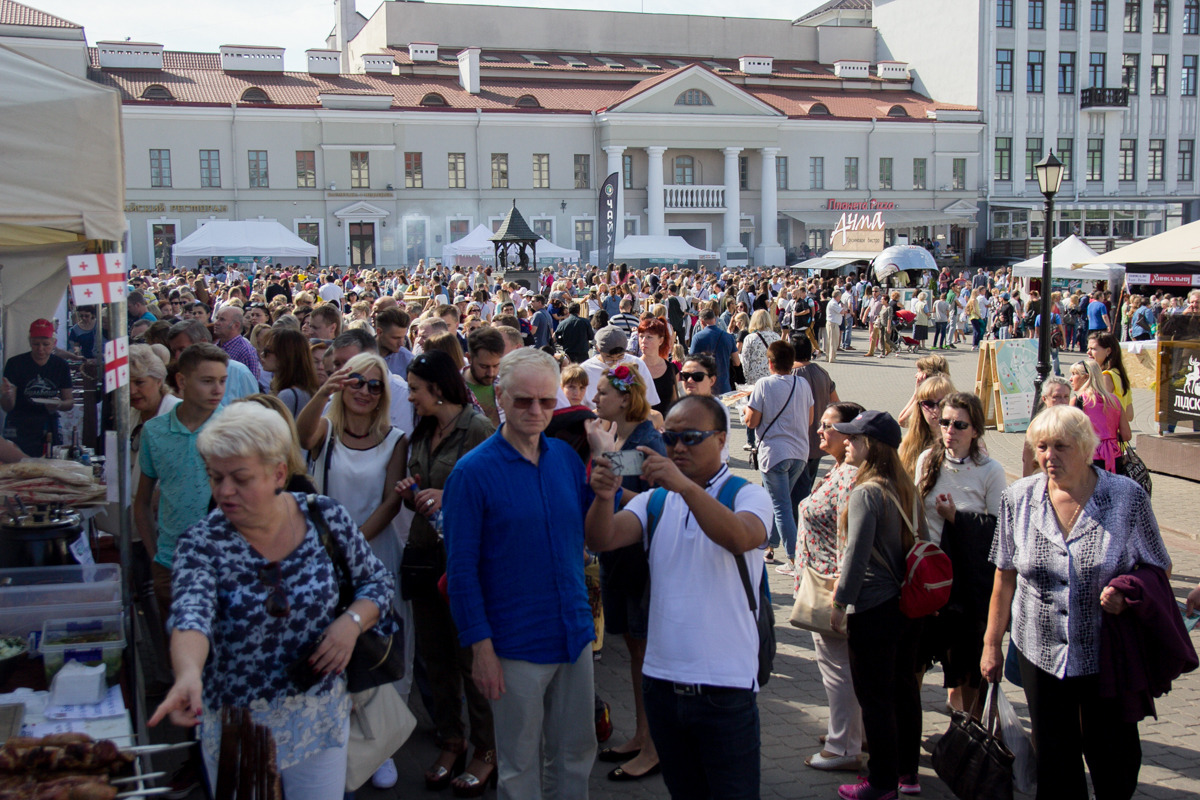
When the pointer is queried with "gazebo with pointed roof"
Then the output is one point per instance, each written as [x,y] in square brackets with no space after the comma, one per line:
[514,230]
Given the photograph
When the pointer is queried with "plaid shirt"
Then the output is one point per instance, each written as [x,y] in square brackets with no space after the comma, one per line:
[239,349]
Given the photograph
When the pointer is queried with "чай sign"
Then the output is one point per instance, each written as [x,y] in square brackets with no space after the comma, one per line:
[860,232]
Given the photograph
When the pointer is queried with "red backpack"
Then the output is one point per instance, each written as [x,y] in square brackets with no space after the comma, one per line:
[928,573]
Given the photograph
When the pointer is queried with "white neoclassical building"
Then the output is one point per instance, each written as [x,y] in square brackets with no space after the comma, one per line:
[412,126]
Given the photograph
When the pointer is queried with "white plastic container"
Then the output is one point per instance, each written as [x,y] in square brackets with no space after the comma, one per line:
[31,596]
[88,640]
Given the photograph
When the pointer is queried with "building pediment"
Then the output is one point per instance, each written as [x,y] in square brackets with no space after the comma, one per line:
[691,90]
[361,210]
[961,208]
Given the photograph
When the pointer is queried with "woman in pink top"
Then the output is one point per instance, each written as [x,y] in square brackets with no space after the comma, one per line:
[1103,409]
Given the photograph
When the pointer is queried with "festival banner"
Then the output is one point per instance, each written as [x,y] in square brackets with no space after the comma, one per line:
[116,363]
[608,219]
[97,278]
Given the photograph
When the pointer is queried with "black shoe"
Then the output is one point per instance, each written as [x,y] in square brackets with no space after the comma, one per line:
[619,774]
[182,782]
[611,756]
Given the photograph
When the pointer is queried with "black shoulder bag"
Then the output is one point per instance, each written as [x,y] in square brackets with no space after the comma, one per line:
[377,659]
[753,457]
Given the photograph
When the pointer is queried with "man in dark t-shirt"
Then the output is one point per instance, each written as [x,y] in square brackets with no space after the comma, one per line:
[36,386]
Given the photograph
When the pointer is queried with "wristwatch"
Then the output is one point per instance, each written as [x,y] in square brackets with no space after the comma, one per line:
[357,619]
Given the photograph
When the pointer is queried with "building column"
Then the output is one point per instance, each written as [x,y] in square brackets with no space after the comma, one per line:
[731,244]
[769,253]
[655,201]
[614,165]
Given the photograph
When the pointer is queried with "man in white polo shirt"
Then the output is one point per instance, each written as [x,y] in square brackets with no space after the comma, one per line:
[699,675]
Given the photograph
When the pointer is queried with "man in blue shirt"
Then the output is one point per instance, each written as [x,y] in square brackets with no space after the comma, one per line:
[1097,314]
[722,345]
[541,322]
[515,573]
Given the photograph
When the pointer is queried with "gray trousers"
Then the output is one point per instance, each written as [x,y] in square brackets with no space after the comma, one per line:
[546,729]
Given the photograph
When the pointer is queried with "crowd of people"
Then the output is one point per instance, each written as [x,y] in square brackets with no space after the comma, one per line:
[473,445]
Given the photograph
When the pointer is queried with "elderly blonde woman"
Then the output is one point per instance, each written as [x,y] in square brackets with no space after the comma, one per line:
[1063,534]
[254,593]
[357,458]
[149,395]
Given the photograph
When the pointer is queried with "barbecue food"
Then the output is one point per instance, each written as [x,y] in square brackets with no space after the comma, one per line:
[26,756]
[69,787]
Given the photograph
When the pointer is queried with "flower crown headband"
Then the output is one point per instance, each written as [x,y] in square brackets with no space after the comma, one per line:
[622,378]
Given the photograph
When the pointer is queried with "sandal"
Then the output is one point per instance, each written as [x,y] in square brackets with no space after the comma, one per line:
[439,776]
[470,785]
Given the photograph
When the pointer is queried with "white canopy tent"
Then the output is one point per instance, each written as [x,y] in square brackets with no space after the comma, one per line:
[1063,258]
[478,244]
[547,249]
[255,238]
[1178,245]
[675,248]
[62,183]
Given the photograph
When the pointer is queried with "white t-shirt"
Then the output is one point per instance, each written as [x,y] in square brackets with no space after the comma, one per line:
[330,293]
[833,312]
[701,629]
[788,419]
[595,369]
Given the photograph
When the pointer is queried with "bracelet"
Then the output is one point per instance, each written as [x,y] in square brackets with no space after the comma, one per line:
[357,619]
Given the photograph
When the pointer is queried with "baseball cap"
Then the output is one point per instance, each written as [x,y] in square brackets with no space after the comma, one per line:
[876,424]
[610,339]
[41,328]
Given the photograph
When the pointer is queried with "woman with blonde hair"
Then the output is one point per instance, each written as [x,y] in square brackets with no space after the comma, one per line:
[1104,410]
[448,344]
[923,431]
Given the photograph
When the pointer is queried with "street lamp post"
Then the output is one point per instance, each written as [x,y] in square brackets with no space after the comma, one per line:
[1049,176]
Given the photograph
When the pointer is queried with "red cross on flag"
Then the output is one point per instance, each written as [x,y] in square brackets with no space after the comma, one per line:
[116,364]
[97,278]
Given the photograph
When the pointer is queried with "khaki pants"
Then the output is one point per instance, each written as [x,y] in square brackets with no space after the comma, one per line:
[833,332]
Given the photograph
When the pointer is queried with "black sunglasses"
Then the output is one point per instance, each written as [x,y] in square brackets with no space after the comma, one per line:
[689,438]
[930,405]
[525,403]
[277,603]
[958,424]
[357,381]
[694,376]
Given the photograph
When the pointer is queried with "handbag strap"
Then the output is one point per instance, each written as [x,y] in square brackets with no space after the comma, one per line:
[763,432]
[340,567]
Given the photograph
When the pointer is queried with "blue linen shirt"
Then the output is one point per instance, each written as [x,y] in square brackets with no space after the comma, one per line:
[168,454]
[721,344]
[514,544]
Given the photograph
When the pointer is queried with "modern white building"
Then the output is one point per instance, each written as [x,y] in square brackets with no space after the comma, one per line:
[1109,85]
[749,137]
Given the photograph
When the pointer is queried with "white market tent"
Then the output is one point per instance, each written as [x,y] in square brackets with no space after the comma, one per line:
[675,248]
[62,183]
[1178,245]
[835,259]
[1063,258]
[245,238]
[478,244]
[547,249]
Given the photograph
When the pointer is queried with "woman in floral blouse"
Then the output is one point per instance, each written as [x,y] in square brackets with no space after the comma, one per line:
[821,551]
[254,617]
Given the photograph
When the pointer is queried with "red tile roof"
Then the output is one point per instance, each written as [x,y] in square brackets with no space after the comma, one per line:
[13,13]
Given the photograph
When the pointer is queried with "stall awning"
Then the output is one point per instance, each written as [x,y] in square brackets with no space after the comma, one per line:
[1038,205]
[834,260]
[892,220]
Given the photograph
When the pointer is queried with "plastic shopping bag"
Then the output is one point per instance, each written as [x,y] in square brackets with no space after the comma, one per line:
[1018,742]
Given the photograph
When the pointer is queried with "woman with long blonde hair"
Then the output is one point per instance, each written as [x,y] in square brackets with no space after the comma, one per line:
[923,428]
[1104,410]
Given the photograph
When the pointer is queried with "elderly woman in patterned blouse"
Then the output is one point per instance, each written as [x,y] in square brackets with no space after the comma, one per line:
[1063,535]
[255,595]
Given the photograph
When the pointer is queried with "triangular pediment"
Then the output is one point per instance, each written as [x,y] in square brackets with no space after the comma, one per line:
[961,207]
[361,210]
[668,95]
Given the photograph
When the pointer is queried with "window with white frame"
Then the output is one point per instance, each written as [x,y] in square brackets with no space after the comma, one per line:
[456,170]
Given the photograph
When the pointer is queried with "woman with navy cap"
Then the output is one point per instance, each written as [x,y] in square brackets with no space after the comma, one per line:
[880,522]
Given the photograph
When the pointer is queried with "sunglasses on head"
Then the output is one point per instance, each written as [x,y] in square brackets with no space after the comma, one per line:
[525,403]
[689,438]
[694,376]
[277,603]
[357,381]
[958,424]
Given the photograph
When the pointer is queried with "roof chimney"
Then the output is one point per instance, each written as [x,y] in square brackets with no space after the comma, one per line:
[378,63]
[323,62]
[756,65]
[251,58]
[468,69]
[130,55]
[422,51]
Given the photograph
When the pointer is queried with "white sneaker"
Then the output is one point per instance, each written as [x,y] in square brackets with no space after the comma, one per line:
[787,568]
[385,777]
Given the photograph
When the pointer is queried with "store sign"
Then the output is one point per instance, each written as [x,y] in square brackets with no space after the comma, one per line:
[1161,279]
[1184,388]
[861,232]
[833,204]
[175,208]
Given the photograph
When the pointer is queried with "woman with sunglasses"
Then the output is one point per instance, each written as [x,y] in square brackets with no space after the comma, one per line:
[255,593]
[358,457]
[449,427]
[923,431]
[961,487]
[882,519]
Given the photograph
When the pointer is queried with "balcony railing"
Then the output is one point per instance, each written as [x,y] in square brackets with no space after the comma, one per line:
[1101,97]
[694,198]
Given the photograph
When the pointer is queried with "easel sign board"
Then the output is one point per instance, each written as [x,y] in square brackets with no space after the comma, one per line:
[1005,380]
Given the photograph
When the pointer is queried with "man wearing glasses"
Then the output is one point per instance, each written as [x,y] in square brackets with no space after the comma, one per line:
[515,574]
[702,650]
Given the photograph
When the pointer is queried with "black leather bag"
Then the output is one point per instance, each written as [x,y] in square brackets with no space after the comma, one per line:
[420,570]
[1130,465]
[972,760]
[377,659]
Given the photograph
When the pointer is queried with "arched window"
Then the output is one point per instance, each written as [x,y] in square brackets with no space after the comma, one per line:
[433,99]
[819,110]
[897,111]
[694,97]
[157,91]
[528,101]
[255,95]
[685,170]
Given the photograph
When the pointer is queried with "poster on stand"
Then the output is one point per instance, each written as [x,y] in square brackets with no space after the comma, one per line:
[1014,372]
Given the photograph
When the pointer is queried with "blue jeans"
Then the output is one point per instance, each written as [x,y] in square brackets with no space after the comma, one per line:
[977,331]
[847,330]
[779,481]
[803,487]
[708,744]
[939,333]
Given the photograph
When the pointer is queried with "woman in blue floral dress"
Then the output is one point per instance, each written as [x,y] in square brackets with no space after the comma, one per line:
[255,591]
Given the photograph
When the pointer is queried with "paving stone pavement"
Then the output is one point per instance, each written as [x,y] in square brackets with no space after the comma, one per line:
[793,707]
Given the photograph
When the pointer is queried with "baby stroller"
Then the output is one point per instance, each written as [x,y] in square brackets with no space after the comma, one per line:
[898,339]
